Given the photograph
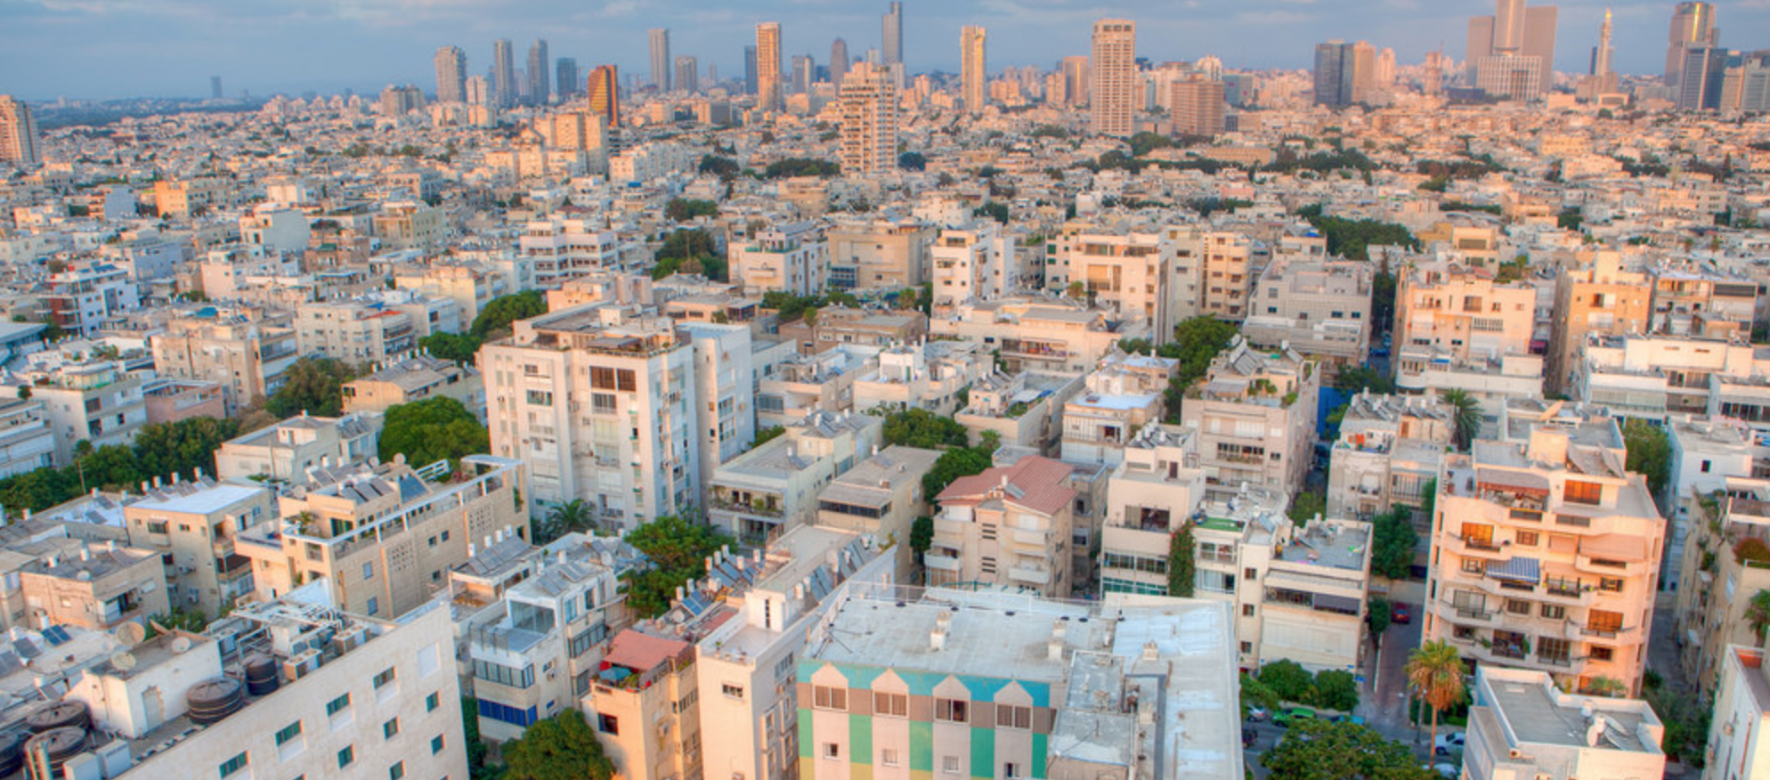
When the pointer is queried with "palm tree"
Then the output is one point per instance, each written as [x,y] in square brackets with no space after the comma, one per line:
[573,515]
[1465,415]
[1435,673]
[1758,612]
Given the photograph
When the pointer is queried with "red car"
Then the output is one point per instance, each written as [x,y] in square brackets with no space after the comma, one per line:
[1401,613]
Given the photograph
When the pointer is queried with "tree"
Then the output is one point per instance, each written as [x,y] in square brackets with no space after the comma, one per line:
[1255,694]
[956,462]
[312,385]
[723,167]
[1436,675]
[1378,615]
[476,748]
[1392,545]
[912,161]
[502,311]
[1289,680]
[995,210]
[182,447]
[1357,379]
[430,430]
[684,250]
[677,549]
[685,209]
[1319,750]
[1308,505]
[1757,612]
[1465,415]
[1336,689]
[562,747]
[801,166]
[461,348]
[767,435]
[1650,452]
[573,516]
[921,535]
[1181,562]
[924,429]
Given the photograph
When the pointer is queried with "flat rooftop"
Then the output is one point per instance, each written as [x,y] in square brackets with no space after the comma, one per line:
[1538,715]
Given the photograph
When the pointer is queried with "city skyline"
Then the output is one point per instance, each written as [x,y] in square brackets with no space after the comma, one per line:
[376,45]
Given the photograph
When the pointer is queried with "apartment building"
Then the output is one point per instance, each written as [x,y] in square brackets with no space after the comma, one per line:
[726,386]
[772,488]
[247,358]
[1008,527]
[977,261]
[1708,454]
[194,526]
[284,452]
[1596,296]
[802,385]
[1255,414]
[96,400]
[1460,313]
[1650,376]
[1151,495]
[881,497]
[532,643]
[346,697]
[928,375]
[1546,550]
[1389,451]
[1716,584]
[1038,332]
[417,378]
[792,258]
[193,197]
[384,536]
[1741,718]
[26,441]
[1693,299]
[988,685]
[1023,409]
[567,249]
[1124,271]
[86,298]
[1522,725]
[601,404]
[838,325]
[1319,308]
[175,400]
[879,254]
[1213,274]
[1126,392]
[354,331]
[411,225]
[1491,382]
[644,706]
[95,587]
[471,289]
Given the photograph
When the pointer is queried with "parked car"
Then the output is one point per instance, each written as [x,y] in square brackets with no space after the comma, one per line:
[1356,720]
[1286,717]
[1401,613]
[1448,771]
[1448,742]
[1257,714]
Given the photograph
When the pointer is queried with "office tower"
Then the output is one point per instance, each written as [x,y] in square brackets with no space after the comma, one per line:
[1075,79]
[1754,82]
[750,84]
[565,78]
[451,75]
[19,143]
[1336,72]
[1700,77]
[1197,106]
[839,62]
[688,74]
[478,91]
[1693,24]
[894,35]
[869,121]
[768,66]
[215,87]
[1508,27]
[660,59]
[1364,71]
[1113,98]
[973,71]
[1512,53]
[1479,47]
[1433,83]
[1601,52]
[603,89]
[713,74]
[503,73]
[539,69]
[804,68]
[1539,40]
[399,101]
[1385,75]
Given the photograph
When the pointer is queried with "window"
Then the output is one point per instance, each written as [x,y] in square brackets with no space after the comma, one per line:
[951,710]
[288,732]
[1705,467]
[431,702]
[397,771]
[1610,584]
[1600,621]
[732,691]
[1474,566]
[1588,493]
[386,676]
[369,571]
[893,704]
[1010,769]
[889,757]
[540,398]
[949,764]
[1554,611]
[232,765]
[1518,606]
[826,697]
[374,606]
[1009,716]
[608,724]
[832,750]
[436,744]
[337,705]
[1526,539]
[346,756]
[1247,610]
[1599,653]
[1247,647]
[390,729]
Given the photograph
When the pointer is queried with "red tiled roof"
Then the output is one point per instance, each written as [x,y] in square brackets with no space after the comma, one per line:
[1038,479]
[641,651]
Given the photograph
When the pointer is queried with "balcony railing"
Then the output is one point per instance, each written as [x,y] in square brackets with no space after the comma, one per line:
[760,510]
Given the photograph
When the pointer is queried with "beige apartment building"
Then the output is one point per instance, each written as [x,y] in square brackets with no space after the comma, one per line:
[1652,375]
[928,375]
[879,254]
[1690,299]
[772,488]
[94,587]
[411,225]
[1319,308]
[1124,394]
[1213,274]
[1523,725]
[1155,492]
[356,332]
[1546,550]
[1124,271]
[793,258]
[881,497]
[1008,527]
[416,378]
[285,451]
[1596,296]
[187,198]
[1459,313]
[384,536]
[977,261]
[1038,333]
[471,289]
[644,707]
[1255,414]
[97,401]
[837,325]
[246,358]
[1717,585]
[26,441]
[195,527]
[1740,723]
[1390,450]
[1023,409]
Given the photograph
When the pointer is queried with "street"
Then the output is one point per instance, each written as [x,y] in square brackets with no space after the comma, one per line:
[1385,690]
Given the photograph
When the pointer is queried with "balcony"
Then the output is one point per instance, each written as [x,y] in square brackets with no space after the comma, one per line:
[1475,548]
[758,508]
[1031,575]
[940,561]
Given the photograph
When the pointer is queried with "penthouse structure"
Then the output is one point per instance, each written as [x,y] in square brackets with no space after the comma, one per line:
[1038,333]
[1389,452]
[284,452]
[793,258]
[1008,527]
[1521,724]
[1255,413]
[774,487]
[1319,308]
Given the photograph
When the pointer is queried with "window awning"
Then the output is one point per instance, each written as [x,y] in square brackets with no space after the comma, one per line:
[1512,481]
[1333,603]
[1623,547]
[1518,569]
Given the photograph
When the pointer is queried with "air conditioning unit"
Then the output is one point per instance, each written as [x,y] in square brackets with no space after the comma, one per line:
[301,664]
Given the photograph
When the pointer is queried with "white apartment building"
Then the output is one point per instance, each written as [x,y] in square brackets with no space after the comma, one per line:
[97,401]
[247,358]
[1652,375]
[1039,332]
[1492,382]
[284,452]
[725,384]
[793,258]
[603,405]
[273,227]
[773,488]
[566,249]
[1319,308]
[1522,725]
[88,297]
[1389,451]
[354,331]
[1255,414]
[26,441]
[1008,528]
[1741,720]
[978,261]
[1124,394]
[926,376]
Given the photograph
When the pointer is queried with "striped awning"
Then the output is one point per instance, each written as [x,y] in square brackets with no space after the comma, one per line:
[1518,569]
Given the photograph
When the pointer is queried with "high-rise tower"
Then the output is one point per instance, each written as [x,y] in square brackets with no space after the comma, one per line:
[768,66]
[1693,24]
[1075,79]
[688,74]
[1601,52]
[660,59]
[1113,95]
[451,75]
[503,73]
[539,70]
[565,78]
[603,89]
[19,142]
[1336,73]
[869,121]
[839,62]
[893,23]
[973,70]
[1512,53]
[750,83]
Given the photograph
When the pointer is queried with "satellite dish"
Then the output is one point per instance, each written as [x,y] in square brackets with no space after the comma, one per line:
[123,661]
[180,644]
[131,634]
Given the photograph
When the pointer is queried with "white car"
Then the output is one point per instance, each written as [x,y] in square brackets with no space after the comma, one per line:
[1448,742]
[1448,771]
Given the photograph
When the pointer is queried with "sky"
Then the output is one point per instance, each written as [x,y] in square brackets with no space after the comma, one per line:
[101,49]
